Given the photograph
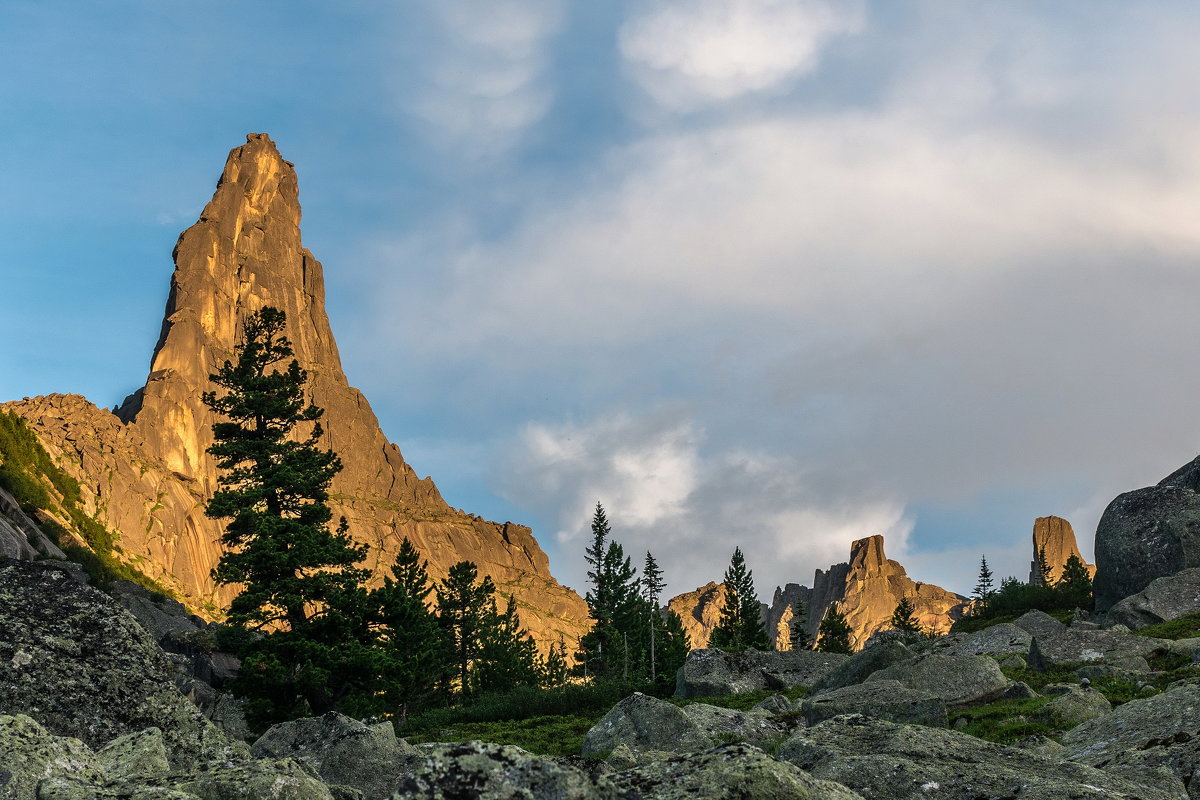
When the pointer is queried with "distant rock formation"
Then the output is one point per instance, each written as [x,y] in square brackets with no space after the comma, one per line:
[867,589]
[700,611]
[1055,537]
[145,470]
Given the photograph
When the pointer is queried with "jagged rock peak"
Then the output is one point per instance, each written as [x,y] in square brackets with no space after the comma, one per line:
[149,478]
[1056,537]
[867,554]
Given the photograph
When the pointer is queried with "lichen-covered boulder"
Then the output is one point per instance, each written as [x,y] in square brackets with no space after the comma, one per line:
[729,771]
[1159,731]
[1074,705]
[715,673]
[1142,535]
[482,771]
[1003,638]
[77,662]
[881,699]
[1039,623]
[265,779]
[343,751]
[29,753]
[135,755]
[958,681]
[885,761]
[1164,599]
[860,666]
[727,725]
[1115,647]
[73,789]
[642,722]
[775,704]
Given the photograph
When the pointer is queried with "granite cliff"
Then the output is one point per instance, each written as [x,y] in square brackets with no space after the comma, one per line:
[144,468]
[1056,538]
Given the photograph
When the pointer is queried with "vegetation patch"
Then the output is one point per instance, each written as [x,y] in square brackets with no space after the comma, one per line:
[1008,721]
[747,700]
[545,736]
[1185,627]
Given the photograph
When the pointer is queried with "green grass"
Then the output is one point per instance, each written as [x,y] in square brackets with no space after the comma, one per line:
[1185,627]
[548,736]
[746,701]
[973,624]
[1008,721]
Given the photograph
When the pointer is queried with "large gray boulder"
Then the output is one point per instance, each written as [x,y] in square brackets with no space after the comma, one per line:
[1073,705]
[1039,623]
[715,673]
[886,761]
[79,664]
[858,667]
[1159,731]
[883,699]
[29,753]
[1164,599]
[497,772]
[729,725]
[1002,639]
[1146,534]
[1081,646]
[729,771]
[343,751]
[642,722]
[958,681]
[257,780]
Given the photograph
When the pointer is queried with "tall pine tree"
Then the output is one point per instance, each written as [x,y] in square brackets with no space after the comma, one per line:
[799,627]
[741,626]
[466,615]
[298,578]
[904,617]
[834,633]
[984,587]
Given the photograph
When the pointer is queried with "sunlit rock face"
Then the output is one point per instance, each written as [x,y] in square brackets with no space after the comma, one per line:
[1055,537]
[145,469]
[867,589]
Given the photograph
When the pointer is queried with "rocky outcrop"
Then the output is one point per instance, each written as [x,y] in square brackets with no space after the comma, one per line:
[700,611]
[714,673]
[781,614]
[888,761]
[1164,599]
[884,699]
[1146,534]
[1054,537]
[145,470]
[20,537]
[957,681]
[75,661]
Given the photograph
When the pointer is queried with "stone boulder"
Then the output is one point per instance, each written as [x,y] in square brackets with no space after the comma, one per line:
[1145,534]
[726,724]
[29,753]
[496,772]
[858,667]
[729,771]
[80,665]
[958,681]
[1114,647]
[1073,705]
[642,722]
[1003,639]
[136,755]
[888,700]
[1164,599]
[1159,731]
[714,673]
[343,751]
[886,761]
[1039,623]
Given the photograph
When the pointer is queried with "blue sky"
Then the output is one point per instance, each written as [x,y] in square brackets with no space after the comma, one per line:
[768,273]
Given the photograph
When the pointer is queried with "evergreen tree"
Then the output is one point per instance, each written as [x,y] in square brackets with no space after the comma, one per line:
[466,615]
[984,588]
[673,648]
[413,649]
[298,578]
[619,640]
[740,626]
[904,617]
[652,585]
[508,656]
[597,598]
[799,628]
[834,633]
[553,668]
[1075,585]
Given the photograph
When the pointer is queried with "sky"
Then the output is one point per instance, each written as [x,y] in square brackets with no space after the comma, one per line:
[776,274]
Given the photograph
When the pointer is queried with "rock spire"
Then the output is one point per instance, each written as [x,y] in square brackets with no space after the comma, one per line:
[1055,537]
[145,468]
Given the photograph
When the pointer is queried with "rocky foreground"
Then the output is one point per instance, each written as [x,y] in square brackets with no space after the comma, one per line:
[92,707]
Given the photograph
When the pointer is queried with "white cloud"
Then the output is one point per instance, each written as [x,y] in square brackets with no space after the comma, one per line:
[687,53]
[667,491]
[486,84]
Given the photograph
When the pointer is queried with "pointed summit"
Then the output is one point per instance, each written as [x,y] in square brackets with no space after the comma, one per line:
[148,467]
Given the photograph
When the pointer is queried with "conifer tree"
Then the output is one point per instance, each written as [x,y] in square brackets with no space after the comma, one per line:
[508,656]
[984,588]
[413,648]
[298,578]
[740,626]
[597,598]
[799,627]
[834,633]
[1045,571]
[1075,585]
[553,668]
[652,585]
[466,615]
[904,617]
